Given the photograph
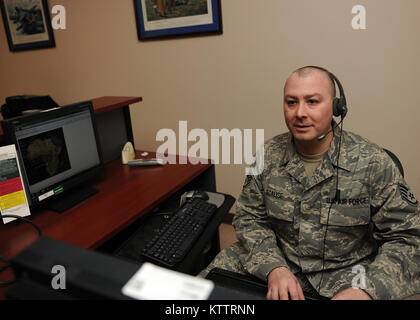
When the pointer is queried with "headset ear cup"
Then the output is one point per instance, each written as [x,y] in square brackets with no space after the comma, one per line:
[336,107]
[343,108]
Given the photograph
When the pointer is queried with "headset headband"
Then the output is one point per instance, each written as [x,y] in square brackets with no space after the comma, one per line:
[339,104]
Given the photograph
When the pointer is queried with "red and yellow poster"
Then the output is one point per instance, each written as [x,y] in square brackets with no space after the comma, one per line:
[12,194]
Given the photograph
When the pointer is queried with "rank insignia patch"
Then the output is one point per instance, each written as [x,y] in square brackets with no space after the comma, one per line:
[407,195]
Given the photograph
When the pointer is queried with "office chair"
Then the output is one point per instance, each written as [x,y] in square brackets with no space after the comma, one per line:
[396,160]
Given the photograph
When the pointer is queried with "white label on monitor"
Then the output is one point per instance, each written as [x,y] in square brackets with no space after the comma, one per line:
[156,283]
[46,195]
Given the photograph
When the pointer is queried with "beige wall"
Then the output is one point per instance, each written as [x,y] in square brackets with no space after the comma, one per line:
[235,80]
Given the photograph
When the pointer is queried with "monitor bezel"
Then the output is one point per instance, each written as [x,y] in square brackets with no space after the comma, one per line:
[9,126]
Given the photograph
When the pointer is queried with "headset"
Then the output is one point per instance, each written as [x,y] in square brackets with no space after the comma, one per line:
[339,105]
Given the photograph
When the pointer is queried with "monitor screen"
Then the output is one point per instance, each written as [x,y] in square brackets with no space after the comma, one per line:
[58,149]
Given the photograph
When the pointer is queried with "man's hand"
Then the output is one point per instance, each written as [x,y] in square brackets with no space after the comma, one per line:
[352,294]
[281,283]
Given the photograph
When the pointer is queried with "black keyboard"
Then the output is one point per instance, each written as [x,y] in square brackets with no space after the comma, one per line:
[174,241]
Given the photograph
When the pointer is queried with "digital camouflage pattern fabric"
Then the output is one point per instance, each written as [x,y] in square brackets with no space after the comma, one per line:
[372,222]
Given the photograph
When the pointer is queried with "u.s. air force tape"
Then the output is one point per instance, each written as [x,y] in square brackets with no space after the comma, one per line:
[407,195]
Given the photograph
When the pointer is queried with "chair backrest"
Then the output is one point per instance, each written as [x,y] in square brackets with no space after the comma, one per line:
[396,160]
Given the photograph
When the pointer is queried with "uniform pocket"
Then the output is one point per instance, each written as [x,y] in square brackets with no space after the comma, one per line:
[280,201]
[352,208]
[278,208]
[345,215]
[280,198]
[346,226]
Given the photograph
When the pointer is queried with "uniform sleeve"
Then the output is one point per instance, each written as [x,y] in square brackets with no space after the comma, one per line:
[254,232]
[394,273]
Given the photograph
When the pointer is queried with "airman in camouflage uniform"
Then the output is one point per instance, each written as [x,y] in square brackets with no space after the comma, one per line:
[324,237]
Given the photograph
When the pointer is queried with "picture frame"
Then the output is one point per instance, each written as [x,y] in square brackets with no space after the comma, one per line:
[174,18]
[27,24]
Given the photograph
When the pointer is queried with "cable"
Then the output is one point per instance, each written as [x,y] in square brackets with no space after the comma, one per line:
[26,220]
[329,209]
[8,263]
[5,267]
[2,268]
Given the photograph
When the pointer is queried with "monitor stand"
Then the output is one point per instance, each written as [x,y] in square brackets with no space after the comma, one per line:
[70,198]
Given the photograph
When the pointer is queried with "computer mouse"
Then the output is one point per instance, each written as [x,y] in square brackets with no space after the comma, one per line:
[193,194]
[200,194]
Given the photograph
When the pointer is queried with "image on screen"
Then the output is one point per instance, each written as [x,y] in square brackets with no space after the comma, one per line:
[44,155]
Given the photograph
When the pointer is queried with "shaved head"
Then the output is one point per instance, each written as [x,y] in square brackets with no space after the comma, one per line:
[306,71]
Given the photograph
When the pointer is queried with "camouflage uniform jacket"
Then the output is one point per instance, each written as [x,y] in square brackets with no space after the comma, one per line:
[374,226]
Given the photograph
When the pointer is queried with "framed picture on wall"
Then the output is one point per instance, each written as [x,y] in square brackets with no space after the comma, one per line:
[27,24]
[169,18]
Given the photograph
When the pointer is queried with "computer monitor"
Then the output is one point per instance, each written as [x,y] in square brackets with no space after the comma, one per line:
[58,150]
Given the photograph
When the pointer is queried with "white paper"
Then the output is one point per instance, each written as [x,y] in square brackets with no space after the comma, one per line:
[13,198]
[155,283]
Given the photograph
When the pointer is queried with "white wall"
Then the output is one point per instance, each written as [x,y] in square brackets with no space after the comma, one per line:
[235,80]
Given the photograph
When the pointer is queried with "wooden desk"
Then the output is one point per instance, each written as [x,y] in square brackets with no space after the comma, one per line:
[125,195]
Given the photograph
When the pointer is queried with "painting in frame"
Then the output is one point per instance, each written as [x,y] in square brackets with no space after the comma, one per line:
[170,18]
[27,24]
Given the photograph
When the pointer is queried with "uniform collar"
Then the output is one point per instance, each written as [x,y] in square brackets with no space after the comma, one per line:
[294,166]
